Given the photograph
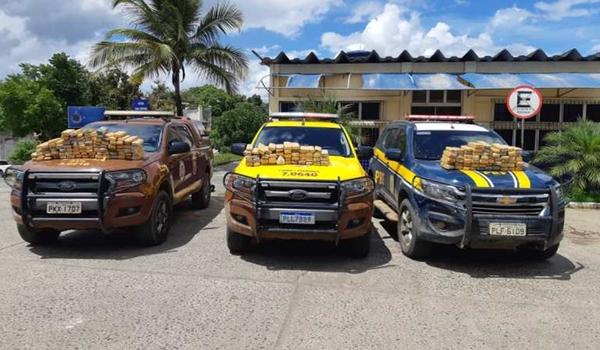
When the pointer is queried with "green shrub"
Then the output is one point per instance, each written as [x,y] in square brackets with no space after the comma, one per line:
[574,154]
[22,151]
[237,125]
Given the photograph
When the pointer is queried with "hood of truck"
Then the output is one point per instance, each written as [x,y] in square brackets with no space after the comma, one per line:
[530,178]
[340,167]
[91,165]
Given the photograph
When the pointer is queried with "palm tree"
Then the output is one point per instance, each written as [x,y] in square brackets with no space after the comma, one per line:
[169,35]
[575,153]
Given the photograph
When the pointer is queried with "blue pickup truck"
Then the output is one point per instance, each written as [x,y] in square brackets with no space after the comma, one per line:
[521,210]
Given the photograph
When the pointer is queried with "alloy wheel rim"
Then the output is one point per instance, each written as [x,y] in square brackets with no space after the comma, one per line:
[406,226]
[162,216]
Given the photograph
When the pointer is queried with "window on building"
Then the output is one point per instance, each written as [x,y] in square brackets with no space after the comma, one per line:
[364,111]
[550,112]
[501,113]
[572,112]
[437,102]
[287,106]
[593,112]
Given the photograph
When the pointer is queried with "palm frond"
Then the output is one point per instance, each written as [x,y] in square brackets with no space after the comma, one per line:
[219,19]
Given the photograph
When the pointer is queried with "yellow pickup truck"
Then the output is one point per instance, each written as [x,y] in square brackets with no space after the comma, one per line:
[292,199]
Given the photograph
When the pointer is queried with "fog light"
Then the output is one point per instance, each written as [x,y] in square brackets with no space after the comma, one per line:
[240,218]
[355,223]
[128,211]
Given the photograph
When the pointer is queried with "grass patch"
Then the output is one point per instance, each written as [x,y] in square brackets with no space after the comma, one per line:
[224,158]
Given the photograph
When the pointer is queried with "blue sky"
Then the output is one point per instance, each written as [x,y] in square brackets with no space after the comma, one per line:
[31,30]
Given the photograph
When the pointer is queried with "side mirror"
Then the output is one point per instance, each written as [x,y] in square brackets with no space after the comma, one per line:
[364,152]
[238,148]
[10,176]
[394,154]
[178,147]
[527,156]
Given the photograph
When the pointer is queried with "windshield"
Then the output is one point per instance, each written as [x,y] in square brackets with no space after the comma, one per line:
[331,139]
[430,145]
[151,134]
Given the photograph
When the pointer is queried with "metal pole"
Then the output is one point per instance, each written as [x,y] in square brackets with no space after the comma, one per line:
[523,133]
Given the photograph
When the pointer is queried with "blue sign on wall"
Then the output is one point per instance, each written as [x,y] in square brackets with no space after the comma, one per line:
[79,117]
[140,104]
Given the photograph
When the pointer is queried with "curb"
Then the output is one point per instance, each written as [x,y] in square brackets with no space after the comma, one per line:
[583,205]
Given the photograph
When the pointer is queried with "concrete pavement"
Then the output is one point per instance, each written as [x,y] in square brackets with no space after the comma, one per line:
[94,291]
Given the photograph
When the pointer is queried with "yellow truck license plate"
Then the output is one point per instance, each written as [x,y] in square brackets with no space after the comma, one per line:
[58,208]
[506,229]
[300,218]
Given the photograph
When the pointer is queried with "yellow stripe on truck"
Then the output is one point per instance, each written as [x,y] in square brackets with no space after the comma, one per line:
[477,178]
[523,179]
[396,167]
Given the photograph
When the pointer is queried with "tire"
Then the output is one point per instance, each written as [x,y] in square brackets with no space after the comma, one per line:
[201,199]
[540,255]
[37,237]
[155,230]
[412,246]
[358,247]
[237,243]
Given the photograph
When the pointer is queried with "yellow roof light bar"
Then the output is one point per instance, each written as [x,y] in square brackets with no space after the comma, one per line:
[304,116]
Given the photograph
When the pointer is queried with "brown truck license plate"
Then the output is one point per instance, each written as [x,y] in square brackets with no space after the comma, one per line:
[58,208]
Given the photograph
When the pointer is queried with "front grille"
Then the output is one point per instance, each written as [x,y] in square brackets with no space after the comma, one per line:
[88,188]
[68,184]
[519,204]
[298,193]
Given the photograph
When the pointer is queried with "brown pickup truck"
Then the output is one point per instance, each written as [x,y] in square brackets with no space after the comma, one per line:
[52,196]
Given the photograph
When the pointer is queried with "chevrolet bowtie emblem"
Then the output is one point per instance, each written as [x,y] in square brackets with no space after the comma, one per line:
[506,200]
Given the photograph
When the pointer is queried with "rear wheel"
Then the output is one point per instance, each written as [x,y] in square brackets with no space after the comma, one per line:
[541,255]
[201,199]
[37,237]
[155,230]
[237,243]
[412,246]
[358,247]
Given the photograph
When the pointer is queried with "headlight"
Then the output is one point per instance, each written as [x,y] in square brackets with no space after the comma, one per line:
[121,180]
[239,184]
[438,191]
[559,191]
[14,178]
[355,188]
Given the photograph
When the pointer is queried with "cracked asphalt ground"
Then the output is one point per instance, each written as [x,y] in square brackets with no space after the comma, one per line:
[93,291]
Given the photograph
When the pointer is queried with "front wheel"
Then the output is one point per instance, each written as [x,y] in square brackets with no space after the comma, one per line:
[155,230]
[412,246]
[37,237]
[237,243]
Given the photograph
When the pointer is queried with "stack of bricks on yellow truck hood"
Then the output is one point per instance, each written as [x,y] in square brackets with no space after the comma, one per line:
[286,153]
[91,144]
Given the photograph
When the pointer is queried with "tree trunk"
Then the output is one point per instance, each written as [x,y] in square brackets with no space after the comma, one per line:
[176,85]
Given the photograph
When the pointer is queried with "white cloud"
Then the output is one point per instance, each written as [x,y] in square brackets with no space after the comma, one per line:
[510,17]
[560,9]
[364,12]
[284,17]
[396,29]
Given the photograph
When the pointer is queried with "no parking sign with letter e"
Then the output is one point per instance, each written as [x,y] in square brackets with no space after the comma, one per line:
[524,102]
